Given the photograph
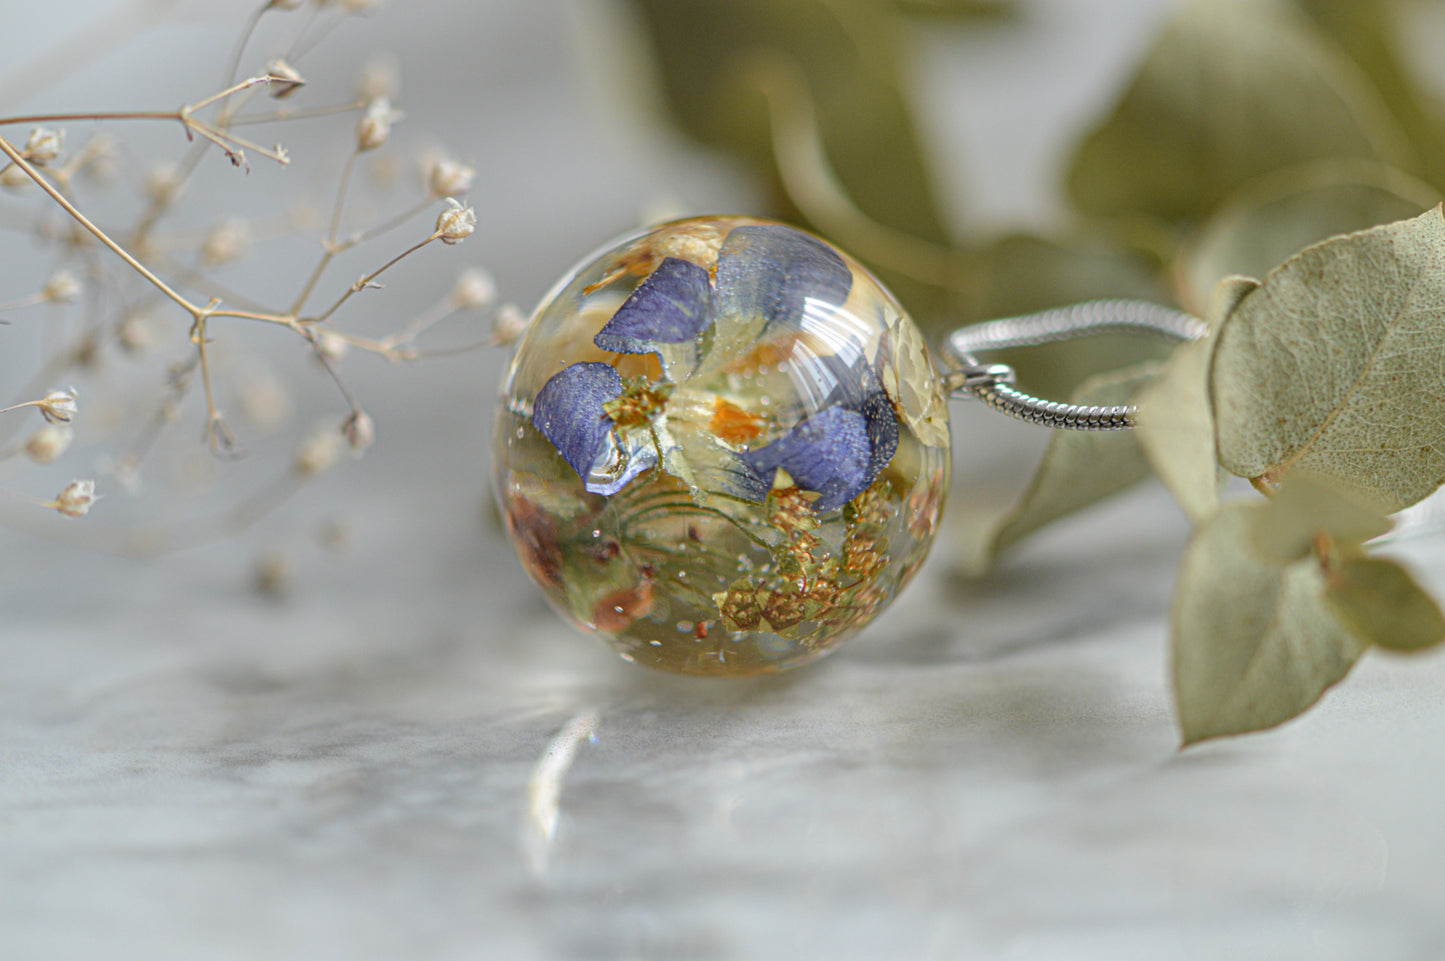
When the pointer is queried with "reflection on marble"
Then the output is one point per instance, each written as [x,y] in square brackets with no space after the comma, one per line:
[989,772]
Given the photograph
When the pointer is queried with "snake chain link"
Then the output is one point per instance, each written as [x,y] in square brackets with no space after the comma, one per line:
[993,383]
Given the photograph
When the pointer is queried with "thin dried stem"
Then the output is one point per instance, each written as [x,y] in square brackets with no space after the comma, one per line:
[367,281]
[287,114]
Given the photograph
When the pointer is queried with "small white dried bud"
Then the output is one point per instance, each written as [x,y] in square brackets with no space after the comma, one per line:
[76,499]
[284,79]
[162,183]
[380,77]
[135,333]
[375,124]
[49,442]
[44,145]
[359,431]
[456,223]
[225,242]
[13,178]
[509,325]
[317,452]
[63,287]
[475,289]
[331,345]
[59,406]
[448,178]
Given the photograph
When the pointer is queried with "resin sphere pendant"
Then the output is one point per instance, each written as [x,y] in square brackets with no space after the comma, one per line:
[722,445]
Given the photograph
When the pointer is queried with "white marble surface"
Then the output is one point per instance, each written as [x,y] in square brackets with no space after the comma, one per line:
[366,768]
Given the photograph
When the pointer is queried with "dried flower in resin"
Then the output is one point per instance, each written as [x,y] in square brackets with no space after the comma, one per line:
[713,443]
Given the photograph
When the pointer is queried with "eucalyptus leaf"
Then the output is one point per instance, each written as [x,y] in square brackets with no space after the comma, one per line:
[1230,90]
[1265,222]
[1369,33]
[1176,430]
[1380,602]
[1079,468]
[1176,418]
[719,59]
[1254,641]
[1333,366]
[1304,509]
[955,9]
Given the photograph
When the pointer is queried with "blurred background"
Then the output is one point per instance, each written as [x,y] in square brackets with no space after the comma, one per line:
[347,727]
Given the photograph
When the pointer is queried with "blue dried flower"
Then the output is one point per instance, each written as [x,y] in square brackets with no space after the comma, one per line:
[767,275]
[672,306]
[569,413]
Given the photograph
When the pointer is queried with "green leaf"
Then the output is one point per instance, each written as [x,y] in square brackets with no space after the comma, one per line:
[1230,90]
[1254,643]
[1079,468]
[1369,33]
[1267,221]
[1176,419]
[1176,430]
[729,67]
[1381,604]
[1304,509]
[955,9]
[1333,366]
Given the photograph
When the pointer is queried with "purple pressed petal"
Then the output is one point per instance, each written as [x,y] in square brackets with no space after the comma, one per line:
[882,433]
[672,306]
[568,411]
[770,271]
[828,453]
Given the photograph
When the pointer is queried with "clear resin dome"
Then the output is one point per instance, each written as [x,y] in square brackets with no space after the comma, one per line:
[722,446]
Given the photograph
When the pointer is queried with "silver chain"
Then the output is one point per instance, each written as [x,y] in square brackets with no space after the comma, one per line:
[993,383]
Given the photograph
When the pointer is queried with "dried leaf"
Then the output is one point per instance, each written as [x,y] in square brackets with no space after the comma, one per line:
[715,58]
[1333,366]
[1370,33]
[1079,468]
[1231,90]
[1254,643]
[1176,430]
[1176,419]
[1381,603]
[1303,510]
[1266,222]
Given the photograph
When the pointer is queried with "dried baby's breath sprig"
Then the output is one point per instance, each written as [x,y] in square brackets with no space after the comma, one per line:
[374,127]
[449,178]
[475,289]
[456,223]
[63,287]
[509,324]
[76,499]
[44,145]
[57,407]
[359,431]
[159,259]
[285,79]
[318,451]
[49,442]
